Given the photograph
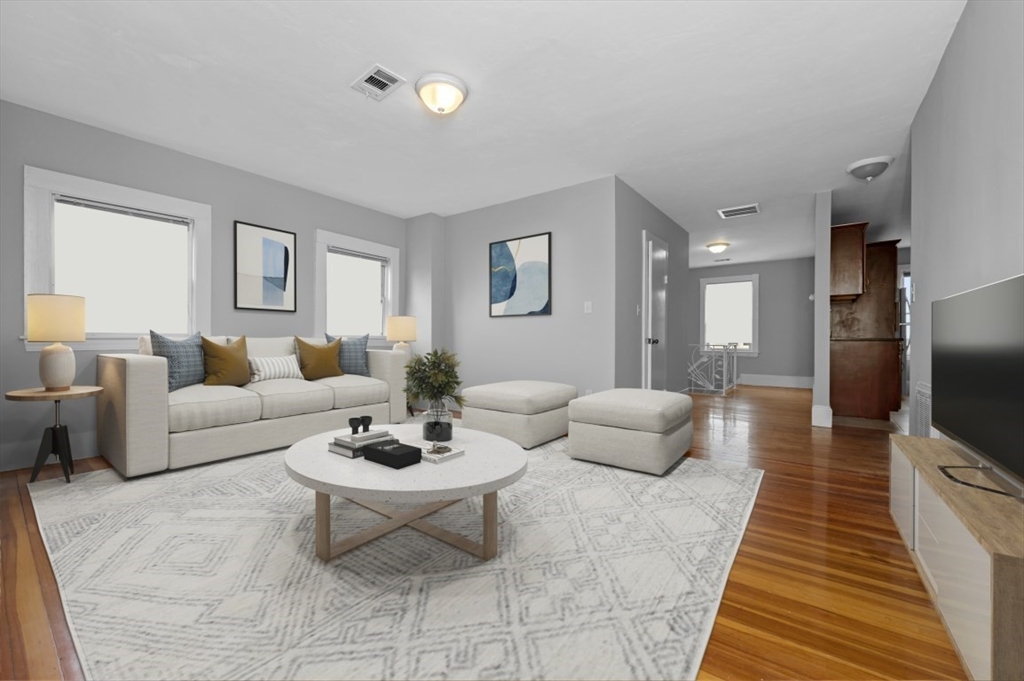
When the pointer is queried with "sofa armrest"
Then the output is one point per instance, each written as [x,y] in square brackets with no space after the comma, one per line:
[389,366]
[131,412]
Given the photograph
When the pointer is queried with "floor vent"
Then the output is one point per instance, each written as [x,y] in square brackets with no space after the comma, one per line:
[739,211]
[378,82]
[921,412]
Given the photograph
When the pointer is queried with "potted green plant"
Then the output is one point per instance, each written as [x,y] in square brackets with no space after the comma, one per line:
[434,378]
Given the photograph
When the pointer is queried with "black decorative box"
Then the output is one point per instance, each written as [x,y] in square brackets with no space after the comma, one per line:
[394,455]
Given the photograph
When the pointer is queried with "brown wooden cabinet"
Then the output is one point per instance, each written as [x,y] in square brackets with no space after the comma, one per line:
[848,257]
[866,377]
[874,314]
[866,354]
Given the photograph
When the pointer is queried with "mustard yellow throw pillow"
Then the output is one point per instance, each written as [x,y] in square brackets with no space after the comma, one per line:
[226,364]
[318,361]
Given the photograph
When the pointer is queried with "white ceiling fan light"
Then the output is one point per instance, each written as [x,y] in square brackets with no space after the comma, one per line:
[869,168]
[441,92]
[717,247]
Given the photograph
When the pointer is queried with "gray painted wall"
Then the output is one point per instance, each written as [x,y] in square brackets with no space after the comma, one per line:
[29,137]
[424,281]
[785,315]
[967,146]
[634,214]
[568,346]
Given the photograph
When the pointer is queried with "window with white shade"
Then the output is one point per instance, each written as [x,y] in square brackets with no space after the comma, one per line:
[728,312]
[132,269]
[357,285]
[141,260]
[356,293]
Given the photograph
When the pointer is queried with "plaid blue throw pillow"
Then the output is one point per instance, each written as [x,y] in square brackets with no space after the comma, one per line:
[352,355]
[184,359]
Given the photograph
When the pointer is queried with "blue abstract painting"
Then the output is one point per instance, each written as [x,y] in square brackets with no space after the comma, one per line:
[521,276]
[264,268]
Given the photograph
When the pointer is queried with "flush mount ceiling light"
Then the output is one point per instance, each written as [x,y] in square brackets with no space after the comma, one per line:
[870,168]
[718,246]
[441,92]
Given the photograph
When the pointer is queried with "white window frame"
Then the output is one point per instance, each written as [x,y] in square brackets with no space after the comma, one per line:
[325,240]
[41,189]
[755,279]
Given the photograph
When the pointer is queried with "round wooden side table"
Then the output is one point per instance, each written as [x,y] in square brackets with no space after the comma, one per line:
[55,438]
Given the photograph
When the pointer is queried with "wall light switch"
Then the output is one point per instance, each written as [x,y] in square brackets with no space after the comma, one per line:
[588,307]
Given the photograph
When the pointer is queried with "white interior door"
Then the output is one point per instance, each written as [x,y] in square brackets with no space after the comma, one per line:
[655,301]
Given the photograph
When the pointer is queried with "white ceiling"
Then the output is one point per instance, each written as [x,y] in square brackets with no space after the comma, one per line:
[696,105]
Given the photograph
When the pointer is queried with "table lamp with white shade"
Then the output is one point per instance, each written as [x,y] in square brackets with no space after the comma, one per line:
[55,319]
[401,329]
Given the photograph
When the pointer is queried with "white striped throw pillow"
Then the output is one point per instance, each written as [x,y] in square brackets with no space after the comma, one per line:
[266,368]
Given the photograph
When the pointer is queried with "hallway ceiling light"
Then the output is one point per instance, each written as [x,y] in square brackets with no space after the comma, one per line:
[870,168]
[442,93]
[718,246]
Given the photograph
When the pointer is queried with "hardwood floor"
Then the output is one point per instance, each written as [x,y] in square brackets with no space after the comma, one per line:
[822,586]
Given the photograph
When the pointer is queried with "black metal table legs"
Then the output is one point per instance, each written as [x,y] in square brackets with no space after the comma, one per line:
[55,441]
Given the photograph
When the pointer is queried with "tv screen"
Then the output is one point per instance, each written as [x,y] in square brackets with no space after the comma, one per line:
[978,371]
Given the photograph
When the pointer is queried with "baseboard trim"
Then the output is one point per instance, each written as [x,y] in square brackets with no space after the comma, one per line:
[777,381]
[821,416]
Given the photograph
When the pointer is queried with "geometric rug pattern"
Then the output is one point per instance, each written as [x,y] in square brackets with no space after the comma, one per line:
[210,573]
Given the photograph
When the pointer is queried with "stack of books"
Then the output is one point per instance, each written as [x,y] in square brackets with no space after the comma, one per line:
[351,445]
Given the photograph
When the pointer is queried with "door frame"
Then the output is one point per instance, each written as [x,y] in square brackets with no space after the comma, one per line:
[648,241]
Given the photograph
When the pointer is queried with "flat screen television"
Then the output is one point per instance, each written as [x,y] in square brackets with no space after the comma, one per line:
[978,372]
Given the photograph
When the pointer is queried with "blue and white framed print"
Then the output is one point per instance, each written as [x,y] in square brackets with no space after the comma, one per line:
[264,268]
[521,276]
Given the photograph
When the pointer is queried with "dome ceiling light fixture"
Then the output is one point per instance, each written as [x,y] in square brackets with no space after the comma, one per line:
[441,92]
[870,168]
[717,247]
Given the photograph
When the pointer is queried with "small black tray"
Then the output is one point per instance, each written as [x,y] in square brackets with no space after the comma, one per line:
[395,455]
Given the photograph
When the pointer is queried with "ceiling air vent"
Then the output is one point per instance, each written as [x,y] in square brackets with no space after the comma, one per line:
[378,82]
[739,211]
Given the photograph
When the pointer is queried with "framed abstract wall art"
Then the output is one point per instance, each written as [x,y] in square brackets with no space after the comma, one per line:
[520,280]
[264,268]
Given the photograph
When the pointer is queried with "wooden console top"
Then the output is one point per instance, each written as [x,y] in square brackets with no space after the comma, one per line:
[996,521]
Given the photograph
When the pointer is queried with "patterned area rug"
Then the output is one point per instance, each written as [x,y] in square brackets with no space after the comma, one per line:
[209,573]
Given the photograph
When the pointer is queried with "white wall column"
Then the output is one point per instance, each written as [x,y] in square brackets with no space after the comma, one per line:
[821,411]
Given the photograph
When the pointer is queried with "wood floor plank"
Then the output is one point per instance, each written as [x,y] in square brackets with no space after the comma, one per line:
[822,586]
[63,642]
[27,624]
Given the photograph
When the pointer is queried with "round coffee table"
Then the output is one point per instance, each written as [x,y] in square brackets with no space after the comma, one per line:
[488,464]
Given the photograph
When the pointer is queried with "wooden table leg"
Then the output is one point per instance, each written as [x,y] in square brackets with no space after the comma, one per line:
[490,545]
[323,526]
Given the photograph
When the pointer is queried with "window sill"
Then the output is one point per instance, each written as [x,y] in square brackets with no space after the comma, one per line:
[91,345]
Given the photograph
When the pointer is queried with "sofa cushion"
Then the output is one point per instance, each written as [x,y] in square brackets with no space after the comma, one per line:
[356,391]
[290,396]
[352,356]
[318,360]
[519,397]
[226,364]
[654,411]
[266,368]
[146,343]
[184,359]
[205,406]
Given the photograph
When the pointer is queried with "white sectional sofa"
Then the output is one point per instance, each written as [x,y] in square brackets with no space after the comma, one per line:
[142,428]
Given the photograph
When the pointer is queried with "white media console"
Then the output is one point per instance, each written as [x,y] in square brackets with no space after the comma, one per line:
[968,545]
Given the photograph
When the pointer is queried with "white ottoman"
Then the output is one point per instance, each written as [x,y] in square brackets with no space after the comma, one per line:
[643,430]
[527,412]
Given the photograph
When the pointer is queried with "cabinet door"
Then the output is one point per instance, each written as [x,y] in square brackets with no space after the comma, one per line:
[865,378]
[848,256]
